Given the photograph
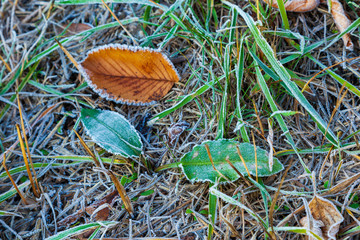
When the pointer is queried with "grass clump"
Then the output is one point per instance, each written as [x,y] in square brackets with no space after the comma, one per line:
[246,74]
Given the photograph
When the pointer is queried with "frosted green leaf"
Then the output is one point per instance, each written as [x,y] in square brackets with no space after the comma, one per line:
[197,166]
[112,131]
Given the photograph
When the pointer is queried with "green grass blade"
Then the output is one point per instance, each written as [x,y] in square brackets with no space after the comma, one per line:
[84,34]
[278,117]
[212,211]
[355,229]
[223,107]
[300,230]
[8,194]
[350,28]
[188,98]
[80,2]
[5,213]
[58,93]
[283,14]
[76,160]
[338,78]
[282,73]
[66,234]
[20,87]
[317,150]
[239,73]
[230,200]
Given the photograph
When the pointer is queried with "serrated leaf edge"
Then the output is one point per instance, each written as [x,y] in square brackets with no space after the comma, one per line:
[134,49]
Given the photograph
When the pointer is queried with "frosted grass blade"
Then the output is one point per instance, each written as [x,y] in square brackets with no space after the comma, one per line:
[283,74]
[278,117]
[80,2]
[66,234]
[239,73]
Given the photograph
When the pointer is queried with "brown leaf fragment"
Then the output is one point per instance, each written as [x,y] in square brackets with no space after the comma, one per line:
[342,22]
[342,185]
[296,5]
[325,211]
[315,228]
[176,130]
[102,213]
[131,75]
[72,29]
[71,219]
[107,199]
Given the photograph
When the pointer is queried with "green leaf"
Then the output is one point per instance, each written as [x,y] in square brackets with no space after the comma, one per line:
[197,166]
[112,132]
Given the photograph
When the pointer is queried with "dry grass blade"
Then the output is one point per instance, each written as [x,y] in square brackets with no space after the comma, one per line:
[327,68]
[42,115]
[213,165]
[338,102]
[258,119]
[122,192]
[323,165]
[229,224]
[113,14]
[6,64]
[256,164]
[27,144]
[237,171]
[270,140]
[342,185]
[68,54]
[26,161]
[13,182]
[97,163]
[273,203]
[243,161]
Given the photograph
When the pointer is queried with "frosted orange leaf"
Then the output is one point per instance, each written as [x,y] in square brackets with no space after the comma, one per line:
[131,75]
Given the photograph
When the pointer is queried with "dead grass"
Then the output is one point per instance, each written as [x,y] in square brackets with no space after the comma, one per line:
[26,26]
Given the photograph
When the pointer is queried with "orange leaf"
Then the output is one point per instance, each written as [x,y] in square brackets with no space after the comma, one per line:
[130,75]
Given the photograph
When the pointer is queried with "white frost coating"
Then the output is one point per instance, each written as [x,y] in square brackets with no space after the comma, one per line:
[196,179]
[101,91]
[334,228]
[224,182]
[123,154]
